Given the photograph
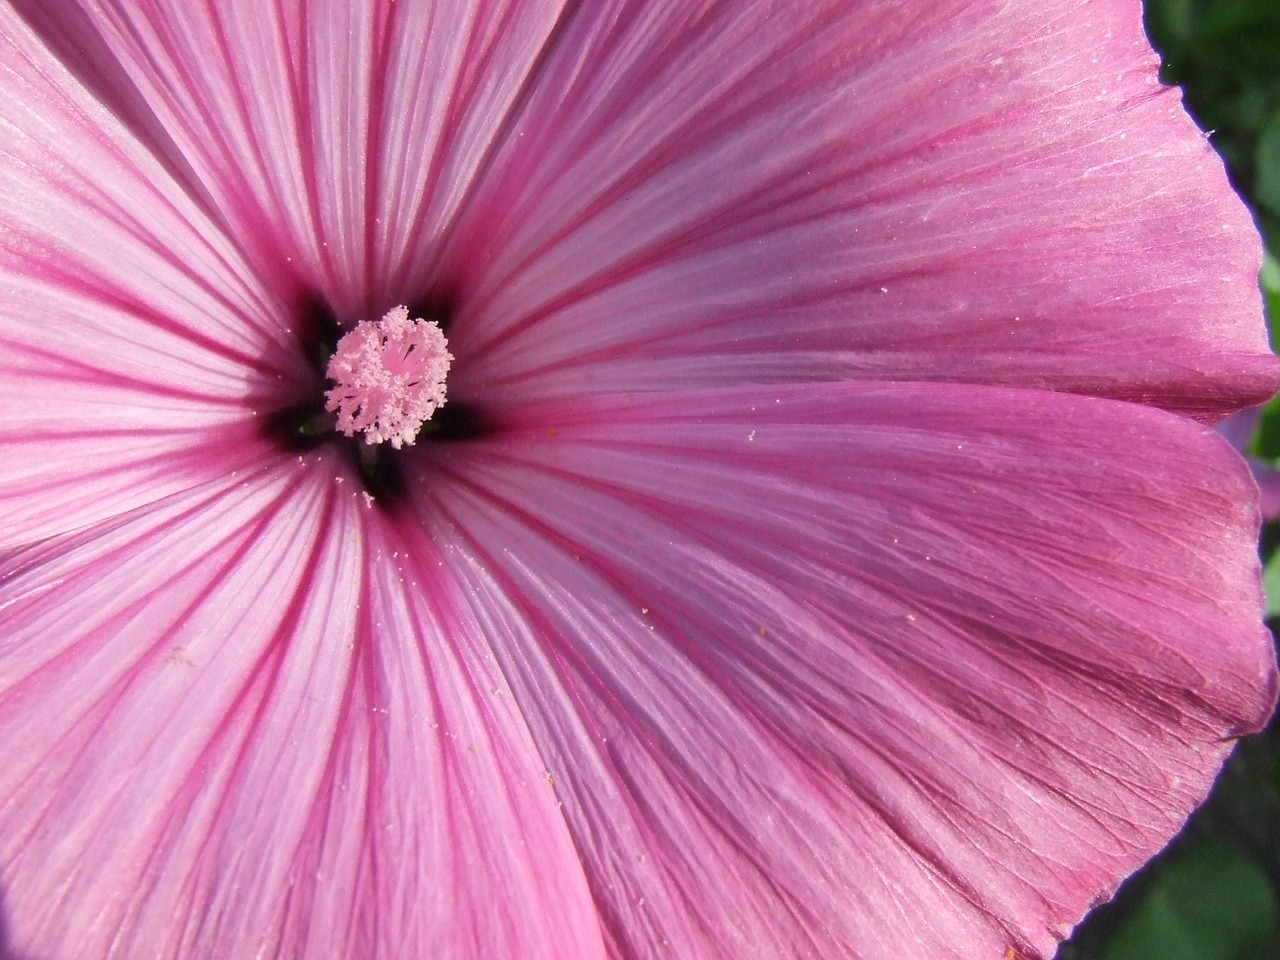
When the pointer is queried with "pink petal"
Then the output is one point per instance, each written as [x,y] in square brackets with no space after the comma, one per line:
[337,139]
[135,346]
[1268,479]
[1238,429]
[738,192]
[912,671]
[276,734]
[873,671]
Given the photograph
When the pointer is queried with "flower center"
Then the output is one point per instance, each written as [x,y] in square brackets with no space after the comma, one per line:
[389,376]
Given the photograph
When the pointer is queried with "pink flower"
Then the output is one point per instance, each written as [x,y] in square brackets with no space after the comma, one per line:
[814,557]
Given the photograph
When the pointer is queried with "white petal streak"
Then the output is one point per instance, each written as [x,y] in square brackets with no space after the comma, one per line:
[793,190]
[336,139]
[196,652]
[87,213]
[464,851]
[278,733]
[132,332]
[936,664]
[669,786]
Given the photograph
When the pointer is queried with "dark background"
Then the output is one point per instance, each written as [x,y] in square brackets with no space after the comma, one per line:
[1214,894]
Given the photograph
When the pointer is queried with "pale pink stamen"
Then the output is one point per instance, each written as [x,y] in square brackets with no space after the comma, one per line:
[390,377]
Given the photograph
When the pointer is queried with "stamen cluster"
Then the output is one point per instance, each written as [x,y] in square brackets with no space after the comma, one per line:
[389,376]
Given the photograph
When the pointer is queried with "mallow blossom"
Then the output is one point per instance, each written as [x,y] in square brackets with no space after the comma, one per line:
[815,546]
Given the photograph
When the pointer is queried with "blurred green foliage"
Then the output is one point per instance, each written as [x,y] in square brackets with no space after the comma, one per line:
[1214,894]
[1265,445]
[1209,902]
[1226,56]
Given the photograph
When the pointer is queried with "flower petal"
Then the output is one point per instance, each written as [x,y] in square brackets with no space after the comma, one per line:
[864,671]
[337,139]
[135,345]
[1238,429]
[742,192]
[276,736]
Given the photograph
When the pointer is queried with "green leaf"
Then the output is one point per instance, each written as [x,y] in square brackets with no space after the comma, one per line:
[1169,24]
[1271,584]
[1269,279]
[1208,903]
[1265,445]
[1266,186]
